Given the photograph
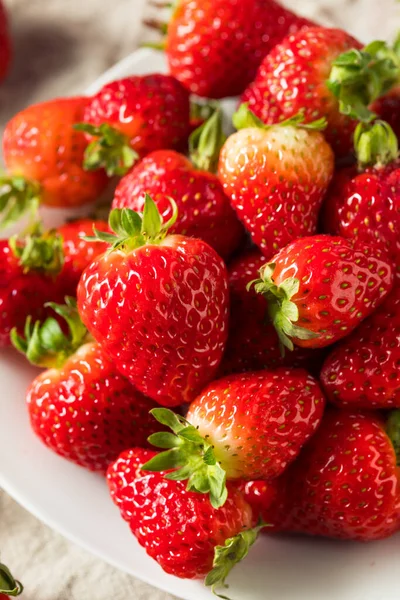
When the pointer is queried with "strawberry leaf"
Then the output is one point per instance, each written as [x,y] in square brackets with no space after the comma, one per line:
[45,344]
[9,585]
[227,556]
[393,431]
[110,150]
[186,448]
[206,141]
[42,252]
[375,144]
[18,196]
[244,118]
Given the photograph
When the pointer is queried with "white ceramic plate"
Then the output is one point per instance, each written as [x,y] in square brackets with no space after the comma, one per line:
[76,503]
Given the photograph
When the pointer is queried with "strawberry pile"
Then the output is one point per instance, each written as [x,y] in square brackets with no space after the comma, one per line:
[226,348]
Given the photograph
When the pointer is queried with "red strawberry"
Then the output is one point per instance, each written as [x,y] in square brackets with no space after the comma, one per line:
[363,202]
[318,289]
[81,407]
[253,343]
[345,483]
[134,116]
[180,529]
[8,585]
[43,155]
[293,78]
[158,305]
[276,178]
[28,279]
[248,426]
[214,47]
[203,209]
[262,496]
[363,371]
[78,252]
[5,43]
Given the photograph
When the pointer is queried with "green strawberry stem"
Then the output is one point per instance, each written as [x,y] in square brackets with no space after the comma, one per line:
[228,555]
[9,585]
[358,77]
[190,455]
[282,311]
[133,230]
[39,251]
[45,344]
[393,431]
[110,150]
[157,24]
[206,141]
[18,196]
[375,144]
[245,118]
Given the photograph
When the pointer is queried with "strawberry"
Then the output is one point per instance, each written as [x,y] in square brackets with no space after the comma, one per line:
[345,483]
[262,496]
[293,78]
[29,277]
[318,289]
[248,426]
[158,305]
[180,529]
[204,210]
[78,252]
[5,43]
[43,155]
[81,407]
[8,585]
[362,372]
[363,203]
[214,47]
[289,166]
[253,343]
[131,117]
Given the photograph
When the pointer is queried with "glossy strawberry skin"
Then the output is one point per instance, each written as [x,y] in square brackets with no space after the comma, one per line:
[215,47]
[5,43]
[23,293]
[78,252]
[203,209]
[87,412]
[289,169]
[253,343]
[366,207]
[363,371]
[340,284]
[152,110]
[179,529]
[258,422]
[345,484]
[40,144]
[292,78]
[161,312]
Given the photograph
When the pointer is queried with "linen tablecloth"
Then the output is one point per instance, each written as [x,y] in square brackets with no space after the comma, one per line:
[61,46]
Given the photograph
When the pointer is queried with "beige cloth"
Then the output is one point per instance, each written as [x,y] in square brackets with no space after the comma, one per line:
[61,46]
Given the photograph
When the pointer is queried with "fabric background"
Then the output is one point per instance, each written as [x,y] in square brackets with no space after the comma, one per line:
[61,46]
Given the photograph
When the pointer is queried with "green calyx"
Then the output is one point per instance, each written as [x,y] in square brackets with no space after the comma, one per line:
[110,150]
[244,118]
[190,455]
[206,141]
[9,585]
[133,230]
[18,196]
[359,77]
[393,431]
[375,144]
[39,251]
[282,311]
[45,344]
[228,555]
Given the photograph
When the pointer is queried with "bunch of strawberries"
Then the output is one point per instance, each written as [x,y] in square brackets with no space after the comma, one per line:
[240,311]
